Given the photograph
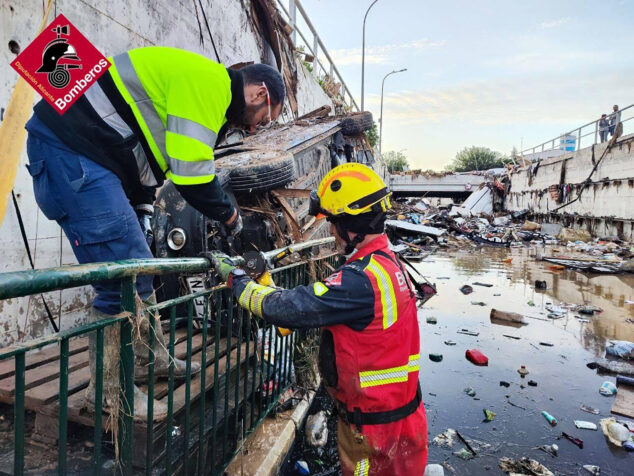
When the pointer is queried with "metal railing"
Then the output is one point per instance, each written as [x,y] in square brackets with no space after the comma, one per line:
[590,132]
[251,368]
[314,47]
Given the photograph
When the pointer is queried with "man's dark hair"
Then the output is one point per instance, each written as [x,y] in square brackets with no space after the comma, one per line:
[257,73]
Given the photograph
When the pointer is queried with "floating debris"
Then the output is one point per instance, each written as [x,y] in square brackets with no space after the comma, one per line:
[592,469]
[476,357]
[504,383]
[585,425]
[464,453]
[551,419]
[446,438]
[450,342]
[616,432]
[468,332]
[524,466]
[547,344]
[532,383]
[435,357]
[317,429]
[550,449]
[486,285]
[607,389]
[302,467]
[478,303]
[588,409]
[507,316]
[540,285]
[488,415]
[470,391]
[466,289]
[572,439]
[620,348]
[523,371]
[432,320]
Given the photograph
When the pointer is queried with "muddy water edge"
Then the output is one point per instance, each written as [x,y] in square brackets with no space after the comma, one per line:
[564,382]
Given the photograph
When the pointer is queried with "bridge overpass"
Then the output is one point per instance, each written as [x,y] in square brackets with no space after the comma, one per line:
[458,186]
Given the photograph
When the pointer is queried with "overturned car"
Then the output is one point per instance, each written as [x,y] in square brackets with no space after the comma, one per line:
[269,177]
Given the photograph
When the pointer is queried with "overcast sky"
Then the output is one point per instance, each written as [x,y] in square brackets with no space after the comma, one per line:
[483,72]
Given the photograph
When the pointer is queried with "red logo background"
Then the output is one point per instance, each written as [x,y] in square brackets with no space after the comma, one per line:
[92,64]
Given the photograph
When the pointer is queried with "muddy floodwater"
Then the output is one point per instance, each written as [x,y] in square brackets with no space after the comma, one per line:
[564,383]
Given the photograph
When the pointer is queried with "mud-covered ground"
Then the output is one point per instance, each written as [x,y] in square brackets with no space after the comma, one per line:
[564,382]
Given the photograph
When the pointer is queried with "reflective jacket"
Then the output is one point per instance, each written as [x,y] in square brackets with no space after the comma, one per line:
[370,343]
[155,114]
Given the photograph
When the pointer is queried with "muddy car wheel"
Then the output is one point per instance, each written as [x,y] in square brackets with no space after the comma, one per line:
[258,171]
[357,123]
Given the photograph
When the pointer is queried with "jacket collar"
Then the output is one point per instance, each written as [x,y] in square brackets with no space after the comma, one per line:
[238,104]
[379,243]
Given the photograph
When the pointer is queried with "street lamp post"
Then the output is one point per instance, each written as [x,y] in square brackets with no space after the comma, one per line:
[381,117]
[363,51]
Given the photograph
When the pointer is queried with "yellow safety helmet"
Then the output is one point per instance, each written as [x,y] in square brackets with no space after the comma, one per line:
[350,189]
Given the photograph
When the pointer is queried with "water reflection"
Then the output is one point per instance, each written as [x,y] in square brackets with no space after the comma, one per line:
[609,292]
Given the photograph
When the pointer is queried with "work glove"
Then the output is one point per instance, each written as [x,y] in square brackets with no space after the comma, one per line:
[234,228]
[144,213]
[222,263]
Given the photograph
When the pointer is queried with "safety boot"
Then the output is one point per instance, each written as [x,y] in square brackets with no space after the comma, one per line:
[161,354]
[110,387]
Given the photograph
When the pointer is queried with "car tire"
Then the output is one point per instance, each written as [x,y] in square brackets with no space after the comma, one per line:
[258,171]
[355,124]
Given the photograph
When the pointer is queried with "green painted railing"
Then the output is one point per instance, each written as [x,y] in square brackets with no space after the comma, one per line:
[251,368]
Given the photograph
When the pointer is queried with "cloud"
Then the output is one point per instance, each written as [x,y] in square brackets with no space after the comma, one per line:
[552,100]
[554,23]
[381,54]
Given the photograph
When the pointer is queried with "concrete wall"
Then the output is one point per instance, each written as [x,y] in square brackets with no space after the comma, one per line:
[606,205]
[112,26]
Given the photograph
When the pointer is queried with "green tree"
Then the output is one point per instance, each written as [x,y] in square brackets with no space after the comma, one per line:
[395,161]
[476,158]
[372,135]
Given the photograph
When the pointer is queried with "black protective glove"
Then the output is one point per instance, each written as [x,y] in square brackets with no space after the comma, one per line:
[144,213]
[235,227]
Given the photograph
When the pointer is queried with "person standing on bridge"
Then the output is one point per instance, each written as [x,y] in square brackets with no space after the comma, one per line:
[615,122]
[603,128]
[370,346]
[156,114]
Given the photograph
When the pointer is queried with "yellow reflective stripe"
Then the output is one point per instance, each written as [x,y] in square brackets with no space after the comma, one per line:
[253,296]
[362,467]
[413,362]
[373,378]
[319,289]
[388,298]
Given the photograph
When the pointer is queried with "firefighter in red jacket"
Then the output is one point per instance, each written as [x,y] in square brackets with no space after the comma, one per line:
[370,349]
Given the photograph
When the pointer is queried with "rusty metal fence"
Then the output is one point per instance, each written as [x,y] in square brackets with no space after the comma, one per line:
[245,365]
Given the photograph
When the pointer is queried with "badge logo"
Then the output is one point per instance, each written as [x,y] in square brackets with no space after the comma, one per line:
[333,279]
[60,64]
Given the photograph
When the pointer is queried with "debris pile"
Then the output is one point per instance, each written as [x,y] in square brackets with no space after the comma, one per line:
[422,227]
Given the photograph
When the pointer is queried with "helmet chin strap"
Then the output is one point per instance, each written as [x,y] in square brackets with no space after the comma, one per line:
[351,244]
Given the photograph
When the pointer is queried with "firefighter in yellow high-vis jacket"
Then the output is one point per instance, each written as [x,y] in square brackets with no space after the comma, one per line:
[156,114]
